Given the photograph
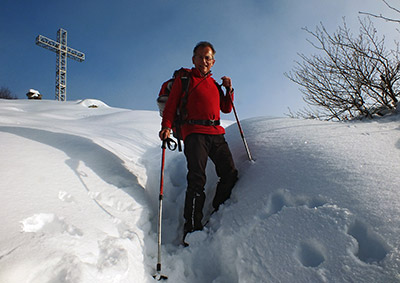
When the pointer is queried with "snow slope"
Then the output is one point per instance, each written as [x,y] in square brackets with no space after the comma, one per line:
[79,196]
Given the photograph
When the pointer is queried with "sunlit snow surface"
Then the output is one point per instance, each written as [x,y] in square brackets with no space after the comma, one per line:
[79,200]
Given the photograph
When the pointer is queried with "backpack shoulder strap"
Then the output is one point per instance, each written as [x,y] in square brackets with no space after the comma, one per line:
[185,79]
[221,92]
[185,83]
[181,114]
[184,75]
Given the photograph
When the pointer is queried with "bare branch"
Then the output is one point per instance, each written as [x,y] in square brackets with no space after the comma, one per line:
[380,16]
[391,7]
[351,76]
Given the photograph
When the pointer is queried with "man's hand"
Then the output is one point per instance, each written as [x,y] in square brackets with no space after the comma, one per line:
[227,83]
[164,133]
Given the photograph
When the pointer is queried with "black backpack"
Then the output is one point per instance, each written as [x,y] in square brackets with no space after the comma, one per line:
[184,75]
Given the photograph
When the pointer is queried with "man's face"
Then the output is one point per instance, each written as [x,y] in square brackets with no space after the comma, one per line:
[203,59]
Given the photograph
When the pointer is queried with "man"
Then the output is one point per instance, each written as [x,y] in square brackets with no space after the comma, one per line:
[202,134]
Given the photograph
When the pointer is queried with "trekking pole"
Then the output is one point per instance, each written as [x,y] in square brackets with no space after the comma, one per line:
[165,142]
[241,131]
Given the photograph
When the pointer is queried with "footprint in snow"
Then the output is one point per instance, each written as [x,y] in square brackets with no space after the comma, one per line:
[310,254]
[283,198]
[371,246]
[112,254]
[65,197]
[48,223]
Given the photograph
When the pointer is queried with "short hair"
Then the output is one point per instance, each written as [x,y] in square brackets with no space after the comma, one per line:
[203,44]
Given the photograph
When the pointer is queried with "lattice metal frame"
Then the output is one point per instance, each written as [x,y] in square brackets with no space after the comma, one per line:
[62,53]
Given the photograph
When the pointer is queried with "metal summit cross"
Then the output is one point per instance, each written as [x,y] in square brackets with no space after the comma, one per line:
[63,52]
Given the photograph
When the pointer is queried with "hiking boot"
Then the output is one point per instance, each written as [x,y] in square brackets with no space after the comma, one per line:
[188,228]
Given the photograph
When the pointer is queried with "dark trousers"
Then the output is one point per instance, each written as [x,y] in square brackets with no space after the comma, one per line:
[198,147]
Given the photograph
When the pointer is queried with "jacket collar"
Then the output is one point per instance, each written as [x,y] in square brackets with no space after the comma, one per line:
[196,73]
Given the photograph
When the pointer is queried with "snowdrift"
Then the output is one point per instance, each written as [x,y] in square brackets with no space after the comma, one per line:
[79,195]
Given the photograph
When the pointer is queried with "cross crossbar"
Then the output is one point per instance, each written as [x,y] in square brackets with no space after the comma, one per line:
[55,46]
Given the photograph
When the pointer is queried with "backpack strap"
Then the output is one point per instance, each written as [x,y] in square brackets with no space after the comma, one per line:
[184,98]
[182,112]
[221,92]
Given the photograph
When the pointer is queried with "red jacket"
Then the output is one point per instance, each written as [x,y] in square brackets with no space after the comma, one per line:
[203,103]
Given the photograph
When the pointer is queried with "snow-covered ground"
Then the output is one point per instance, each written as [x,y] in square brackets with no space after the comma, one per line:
[79,200]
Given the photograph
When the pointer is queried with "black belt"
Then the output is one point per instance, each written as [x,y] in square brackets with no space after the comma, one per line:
[204,122]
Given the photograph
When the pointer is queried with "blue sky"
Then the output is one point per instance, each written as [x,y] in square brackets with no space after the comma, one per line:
[133,46]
